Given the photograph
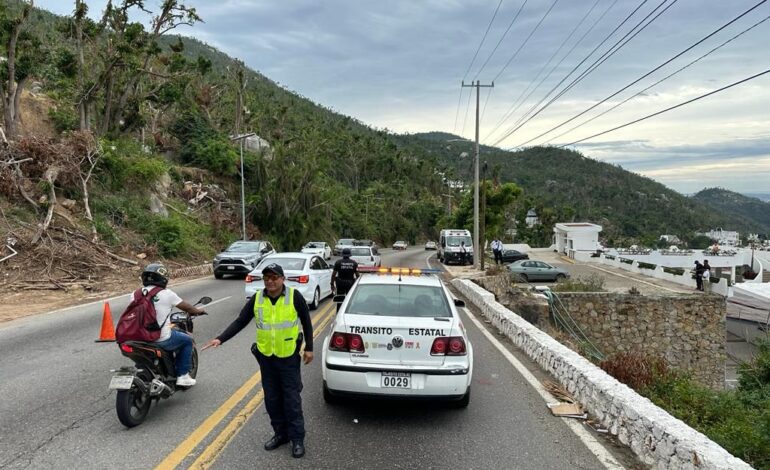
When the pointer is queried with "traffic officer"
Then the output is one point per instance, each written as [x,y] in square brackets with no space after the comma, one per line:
[277,311]
[344,274]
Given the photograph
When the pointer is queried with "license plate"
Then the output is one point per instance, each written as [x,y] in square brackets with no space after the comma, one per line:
[231,267]
[121,382]
[396,380]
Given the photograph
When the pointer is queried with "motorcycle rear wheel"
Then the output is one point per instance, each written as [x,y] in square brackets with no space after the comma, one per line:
[132,406]
[194,363]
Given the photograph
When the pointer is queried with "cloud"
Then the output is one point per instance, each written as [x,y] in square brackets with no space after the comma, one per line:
[398,64]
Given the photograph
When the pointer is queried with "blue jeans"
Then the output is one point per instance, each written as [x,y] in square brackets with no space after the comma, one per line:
[182,345]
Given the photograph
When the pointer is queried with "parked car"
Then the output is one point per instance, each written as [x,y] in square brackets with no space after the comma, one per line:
[306,272]
[318,248]
[531,270]
[342,243]
[364,242]
[428,353]
[366,255]
[509,256]
[399,245]
[431,245]
[241,257]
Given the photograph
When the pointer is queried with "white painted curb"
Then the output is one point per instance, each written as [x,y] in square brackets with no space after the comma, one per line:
[656,437]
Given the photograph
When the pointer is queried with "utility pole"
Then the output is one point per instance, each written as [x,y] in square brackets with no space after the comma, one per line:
[477,252]
[241,138]
[448,203]
[483,216]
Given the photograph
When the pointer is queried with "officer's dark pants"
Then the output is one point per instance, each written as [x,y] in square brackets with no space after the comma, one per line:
[282,383]
[343,287]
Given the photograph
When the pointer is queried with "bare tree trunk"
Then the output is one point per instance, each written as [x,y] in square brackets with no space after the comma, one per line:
[20,187]
[107,105]
[50,175]
[83,104]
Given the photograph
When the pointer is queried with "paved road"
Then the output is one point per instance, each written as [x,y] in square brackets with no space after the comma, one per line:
[57,412]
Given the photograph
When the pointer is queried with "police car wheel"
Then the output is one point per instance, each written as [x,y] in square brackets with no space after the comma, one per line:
[328,397]
[462,402]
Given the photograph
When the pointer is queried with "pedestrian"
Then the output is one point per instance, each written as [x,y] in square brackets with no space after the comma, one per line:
[706,276]
[344,274]
[277,310]
[497,250]
[463,253]
[698,275]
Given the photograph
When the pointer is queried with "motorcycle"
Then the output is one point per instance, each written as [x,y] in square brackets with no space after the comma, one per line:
[152,376]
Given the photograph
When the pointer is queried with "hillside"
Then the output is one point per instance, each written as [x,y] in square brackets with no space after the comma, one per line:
[627,205]
[729,202]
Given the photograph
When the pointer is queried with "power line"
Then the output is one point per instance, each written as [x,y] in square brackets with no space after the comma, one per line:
[466,112]
[697,43]
[510,25]
[460,98]
[482,40]
[484,109]
[519,100]
[633,32]
[662,79]
[457,113]
[537,26]
[669,108]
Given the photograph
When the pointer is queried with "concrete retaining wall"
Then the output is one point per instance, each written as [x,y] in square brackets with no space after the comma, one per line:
[200,270]
[655,436]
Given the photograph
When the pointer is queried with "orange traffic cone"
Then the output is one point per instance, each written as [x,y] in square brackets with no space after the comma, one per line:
[108,331]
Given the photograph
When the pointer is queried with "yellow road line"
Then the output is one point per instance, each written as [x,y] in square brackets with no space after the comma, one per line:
[201,432]
[212,452]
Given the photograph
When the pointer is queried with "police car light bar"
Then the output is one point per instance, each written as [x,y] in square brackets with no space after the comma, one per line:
[396,270]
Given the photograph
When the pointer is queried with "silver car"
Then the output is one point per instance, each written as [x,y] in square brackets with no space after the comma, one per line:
[531,270]
[241,257]
[366,256]
[342,243]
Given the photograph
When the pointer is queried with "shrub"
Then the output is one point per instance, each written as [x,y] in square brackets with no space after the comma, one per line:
[125,165]
[63,119]
[216,154]
[591,283]
[675,271]
[636,370]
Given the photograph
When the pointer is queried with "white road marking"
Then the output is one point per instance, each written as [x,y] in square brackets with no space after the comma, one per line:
[427,260]
[217,301]
[589,440]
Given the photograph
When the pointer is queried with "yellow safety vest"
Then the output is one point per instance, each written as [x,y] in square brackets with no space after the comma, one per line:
[277,325]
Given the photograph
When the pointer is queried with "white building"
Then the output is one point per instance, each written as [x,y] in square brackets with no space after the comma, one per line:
[673,239]
[724,237]
[579,236]
[532,218]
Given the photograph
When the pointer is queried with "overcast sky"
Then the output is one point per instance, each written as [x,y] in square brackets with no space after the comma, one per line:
[398,64]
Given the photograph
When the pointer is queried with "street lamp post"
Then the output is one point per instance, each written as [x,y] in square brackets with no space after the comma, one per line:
[241,138]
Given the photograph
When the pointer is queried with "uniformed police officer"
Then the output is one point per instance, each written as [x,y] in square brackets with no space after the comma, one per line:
[344,274]
[277,311]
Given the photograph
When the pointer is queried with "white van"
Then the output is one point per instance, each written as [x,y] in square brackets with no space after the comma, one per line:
[455,246]
[366,256]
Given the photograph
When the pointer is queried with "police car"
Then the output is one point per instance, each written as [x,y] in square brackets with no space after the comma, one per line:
[398,334]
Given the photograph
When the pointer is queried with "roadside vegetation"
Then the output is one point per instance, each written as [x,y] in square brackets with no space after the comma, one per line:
[589,283]
[738,419]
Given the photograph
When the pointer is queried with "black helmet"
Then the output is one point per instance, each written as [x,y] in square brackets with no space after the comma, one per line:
[155,274]
[346,252]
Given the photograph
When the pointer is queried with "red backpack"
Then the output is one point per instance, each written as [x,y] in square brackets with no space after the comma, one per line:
[139,322]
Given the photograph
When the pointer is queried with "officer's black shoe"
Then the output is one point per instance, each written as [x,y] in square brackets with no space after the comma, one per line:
[297,449]
[276,442]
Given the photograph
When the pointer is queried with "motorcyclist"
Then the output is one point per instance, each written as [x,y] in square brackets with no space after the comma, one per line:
[344,274]
[171,339]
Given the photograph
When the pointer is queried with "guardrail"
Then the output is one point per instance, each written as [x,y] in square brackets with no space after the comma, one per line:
[655,436]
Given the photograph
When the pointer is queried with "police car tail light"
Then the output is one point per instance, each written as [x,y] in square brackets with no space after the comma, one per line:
[346,342]
[456,346]
[304,279]
[355,343]
[250,278]
[448,346]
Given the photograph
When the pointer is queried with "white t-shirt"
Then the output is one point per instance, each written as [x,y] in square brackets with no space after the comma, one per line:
[164,302]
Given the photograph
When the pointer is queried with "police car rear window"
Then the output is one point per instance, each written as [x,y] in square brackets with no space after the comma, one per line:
[399,301]
[290,264]
[360,252]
